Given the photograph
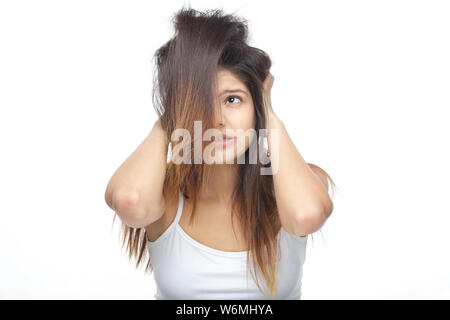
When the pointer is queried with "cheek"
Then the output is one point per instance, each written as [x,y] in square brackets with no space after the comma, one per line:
[245,120]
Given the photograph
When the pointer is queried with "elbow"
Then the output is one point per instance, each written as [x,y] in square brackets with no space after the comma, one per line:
[307,223]
[132,210]
[328,208]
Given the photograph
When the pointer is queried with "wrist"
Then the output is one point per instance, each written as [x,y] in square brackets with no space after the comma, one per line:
[159,131]
[274,128]
[273,122]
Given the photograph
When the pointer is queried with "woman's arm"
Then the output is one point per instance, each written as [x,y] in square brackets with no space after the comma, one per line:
[135,191]
[302,199]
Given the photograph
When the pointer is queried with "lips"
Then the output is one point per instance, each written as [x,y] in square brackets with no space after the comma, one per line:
[224,138]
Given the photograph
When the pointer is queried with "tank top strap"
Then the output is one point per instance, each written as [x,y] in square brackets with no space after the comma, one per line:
[180,206]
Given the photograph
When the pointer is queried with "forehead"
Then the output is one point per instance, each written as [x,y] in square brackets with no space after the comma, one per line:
[227,80]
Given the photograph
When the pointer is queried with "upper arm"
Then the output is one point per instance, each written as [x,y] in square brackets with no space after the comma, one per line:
[155,229]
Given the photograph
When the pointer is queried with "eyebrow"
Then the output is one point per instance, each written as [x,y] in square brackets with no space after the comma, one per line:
[233,91]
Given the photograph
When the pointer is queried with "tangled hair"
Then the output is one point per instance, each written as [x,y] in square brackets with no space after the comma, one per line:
[184,90]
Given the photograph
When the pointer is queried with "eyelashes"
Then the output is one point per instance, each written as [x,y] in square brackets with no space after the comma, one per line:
[233,99]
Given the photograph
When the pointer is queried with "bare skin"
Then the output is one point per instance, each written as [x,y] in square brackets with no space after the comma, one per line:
[212,224]
[301,192]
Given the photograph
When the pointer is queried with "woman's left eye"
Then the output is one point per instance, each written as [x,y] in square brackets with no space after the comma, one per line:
[233,98]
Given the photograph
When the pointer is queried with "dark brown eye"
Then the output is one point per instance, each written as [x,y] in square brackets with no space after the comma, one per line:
[233,99]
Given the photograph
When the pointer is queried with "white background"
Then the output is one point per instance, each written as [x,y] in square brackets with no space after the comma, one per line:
[362,87]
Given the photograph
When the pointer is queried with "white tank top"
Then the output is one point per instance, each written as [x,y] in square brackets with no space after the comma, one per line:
[185,269]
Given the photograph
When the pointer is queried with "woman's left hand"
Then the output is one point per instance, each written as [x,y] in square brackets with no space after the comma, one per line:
[267,85]
[272,121]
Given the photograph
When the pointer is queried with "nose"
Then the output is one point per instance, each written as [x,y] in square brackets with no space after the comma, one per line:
[219,119]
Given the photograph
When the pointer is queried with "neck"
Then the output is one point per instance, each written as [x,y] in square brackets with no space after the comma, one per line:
[221,183]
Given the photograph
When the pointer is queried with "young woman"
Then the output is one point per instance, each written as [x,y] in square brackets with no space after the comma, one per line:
[207,225]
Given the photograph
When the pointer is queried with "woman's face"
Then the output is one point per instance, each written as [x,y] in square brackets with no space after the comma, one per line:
[234,116]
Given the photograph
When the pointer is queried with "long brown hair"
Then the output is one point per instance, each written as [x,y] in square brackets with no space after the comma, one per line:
[184,91]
